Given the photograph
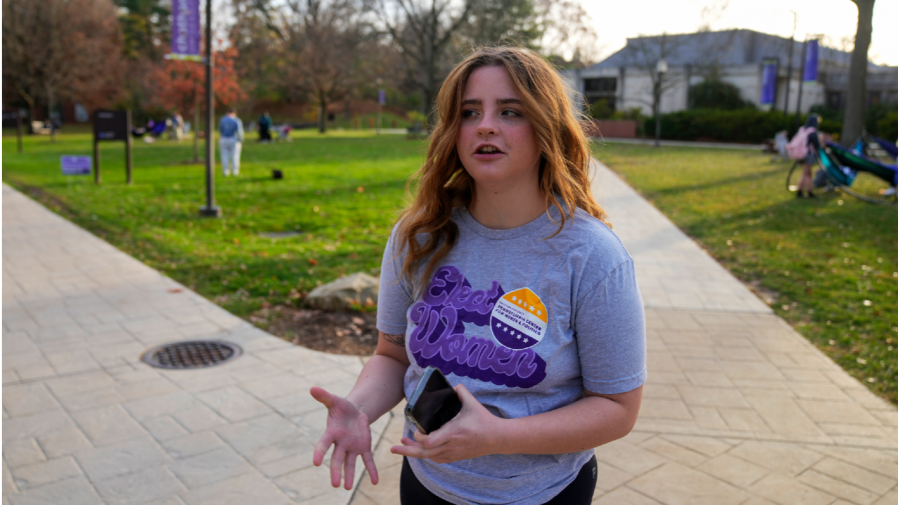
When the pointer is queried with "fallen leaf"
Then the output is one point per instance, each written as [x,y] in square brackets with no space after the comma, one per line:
[236,242]
[360,189]
[175,290]
[313,261]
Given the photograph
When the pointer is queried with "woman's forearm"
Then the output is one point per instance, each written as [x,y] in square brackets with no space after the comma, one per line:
[379,386]
[585,424]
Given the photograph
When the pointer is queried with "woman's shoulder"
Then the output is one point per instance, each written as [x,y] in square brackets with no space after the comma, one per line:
[592,240]
[586,227]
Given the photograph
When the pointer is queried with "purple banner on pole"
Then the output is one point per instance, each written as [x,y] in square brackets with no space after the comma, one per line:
[185,29]
[810,61]
[381,97]
[768,83]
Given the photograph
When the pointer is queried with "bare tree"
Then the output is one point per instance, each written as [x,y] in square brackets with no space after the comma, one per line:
[424,31]
[645,53]
[327,40]
[567,30]
[503,22]
[57,50]
[856,103]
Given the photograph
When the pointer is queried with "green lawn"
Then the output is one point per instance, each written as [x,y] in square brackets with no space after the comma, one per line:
[831,264]
[340,195]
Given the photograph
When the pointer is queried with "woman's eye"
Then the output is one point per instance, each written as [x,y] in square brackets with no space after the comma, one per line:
[510,112]
[468,113]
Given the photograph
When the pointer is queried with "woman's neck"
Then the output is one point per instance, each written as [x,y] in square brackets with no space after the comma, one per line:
[508,207]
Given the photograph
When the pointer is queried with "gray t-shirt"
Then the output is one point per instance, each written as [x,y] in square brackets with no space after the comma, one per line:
[525,322]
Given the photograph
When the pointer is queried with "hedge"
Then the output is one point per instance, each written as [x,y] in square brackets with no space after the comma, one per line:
[888,126]
[743,125]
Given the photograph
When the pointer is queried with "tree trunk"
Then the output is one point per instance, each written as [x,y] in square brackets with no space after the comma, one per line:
[856,104]
[50,99]
[196,124]
[322,115]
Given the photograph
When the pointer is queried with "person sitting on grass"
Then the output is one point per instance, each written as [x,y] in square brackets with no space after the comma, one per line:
[503,274]
[806,183]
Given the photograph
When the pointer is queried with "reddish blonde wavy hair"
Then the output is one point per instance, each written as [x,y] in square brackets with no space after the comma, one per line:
[443,183]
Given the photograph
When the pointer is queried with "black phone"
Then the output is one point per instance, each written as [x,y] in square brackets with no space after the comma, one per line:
[434,402]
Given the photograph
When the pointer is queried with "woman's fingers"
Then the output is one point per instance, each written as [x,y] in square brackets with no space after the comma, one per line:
[324,443]
[349,470]
[464,395]
[368,460]
[337,459]
[322,396]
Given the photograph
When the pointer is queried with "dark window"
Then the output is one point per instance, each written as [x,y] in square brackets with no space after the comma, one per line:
[600,85]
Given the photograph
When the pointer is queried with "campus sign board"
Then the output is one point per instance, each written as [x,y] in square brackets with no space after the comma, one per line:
[110,125]
[75,165]
[185,30]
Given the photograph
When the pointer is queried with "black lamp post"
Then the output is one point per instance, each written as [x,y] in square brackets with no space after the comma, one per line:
[210,209]
[661,68]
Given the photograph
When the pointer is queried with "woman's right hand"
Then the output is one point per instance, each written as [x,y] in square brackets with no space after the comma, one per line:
[350,434]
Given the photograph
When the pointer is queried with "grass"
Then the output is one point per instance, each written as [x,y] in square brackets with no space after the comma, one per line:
[828,266]
[340,196]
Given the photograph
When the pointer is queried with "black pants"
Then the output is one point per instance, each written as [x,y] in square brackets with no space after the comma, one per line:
[579,492]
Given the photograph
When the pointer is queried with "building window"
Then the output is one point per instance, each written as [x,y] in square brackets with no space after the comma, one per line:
[601,89]
[604,85]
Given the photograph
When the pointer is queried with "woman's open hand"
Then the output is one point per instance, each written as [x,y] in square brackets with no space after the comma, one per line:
[472,433]
[348,431]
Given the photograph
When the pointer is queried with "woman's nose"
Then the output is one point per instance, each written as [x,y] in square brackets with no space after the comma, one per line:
[487,125]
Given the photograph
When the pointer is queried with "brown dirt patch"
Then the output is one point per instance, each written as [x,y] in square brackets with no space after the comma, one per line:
[350,333]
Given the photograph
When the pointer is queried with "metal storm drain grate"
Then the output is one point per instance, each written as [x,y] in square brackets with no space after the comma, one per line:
[191,354]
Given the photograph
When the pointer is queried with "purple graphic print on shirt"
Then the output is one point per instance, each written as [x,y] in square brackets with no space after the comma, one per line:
[439,340]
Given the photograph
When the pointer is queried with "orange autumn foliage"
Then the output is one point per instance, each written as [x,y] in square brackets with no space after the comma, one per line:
[178,85]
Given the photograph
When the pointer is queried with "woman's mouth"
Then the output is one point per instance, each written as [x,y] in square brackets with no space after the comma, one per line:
[487,152]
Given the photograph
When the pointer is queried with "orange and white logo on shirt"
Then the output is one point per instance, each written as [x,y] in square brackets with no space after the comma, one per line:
[519,319]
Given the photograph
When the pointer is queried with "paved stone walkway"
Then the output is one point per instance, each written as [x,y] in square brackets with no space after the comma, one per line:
[85,422]
[738,407]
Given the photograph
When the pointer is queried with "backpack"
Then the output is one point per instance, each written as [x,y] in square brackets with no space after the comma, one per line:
[798,146]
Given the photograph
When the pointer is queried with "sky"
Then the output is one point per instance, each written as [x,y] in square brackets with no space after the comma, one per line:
[615,20]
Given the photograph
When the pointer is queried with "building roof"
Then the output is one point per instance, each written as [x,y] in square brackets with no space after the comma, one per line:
[723,48]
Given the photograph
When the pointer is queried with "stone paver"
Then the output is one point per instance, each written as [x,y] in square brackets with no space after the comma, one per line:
[84,421]
[738,407]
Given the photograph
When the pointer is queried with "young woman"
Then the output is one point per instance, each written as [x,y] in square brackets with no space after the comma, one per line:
[502,274]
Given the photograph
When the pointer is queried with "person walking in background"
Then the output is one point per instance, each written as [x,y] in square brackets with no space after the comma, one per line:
[231,130]
[265,127]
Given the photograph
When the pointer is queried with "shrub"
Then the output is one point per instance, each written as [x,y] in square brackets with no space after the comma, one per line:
[743,125]
[888,126]
[716,94]
[876,113]
[600,109]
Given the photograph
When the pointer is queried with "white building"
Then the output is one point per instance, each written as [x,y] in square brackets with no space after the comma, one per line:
[625,78]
